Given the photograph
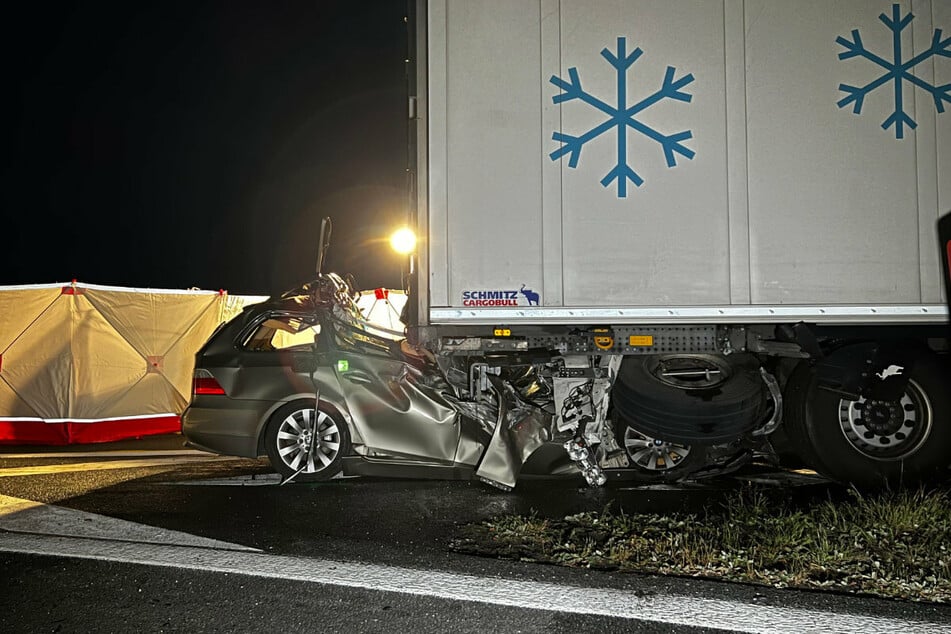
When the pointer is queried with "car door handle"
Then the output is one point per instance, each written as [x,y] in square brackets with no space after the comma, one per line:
[358,377]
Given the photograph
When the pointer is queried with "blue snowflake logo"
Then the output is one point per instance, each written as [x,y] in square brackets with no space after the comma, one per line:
[897,71]
[621,117]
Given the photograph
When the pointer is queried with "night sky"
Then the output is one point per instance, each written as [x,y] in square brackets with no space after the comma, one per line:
[198,144]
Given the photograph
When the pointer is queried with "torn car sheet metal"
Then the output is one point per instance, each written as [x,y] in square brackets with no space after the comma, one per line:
[521,429]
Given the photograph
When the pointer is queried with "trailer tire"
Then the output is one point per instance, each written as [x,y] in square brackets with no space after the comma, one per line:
[794,401]
[287,439]
[907,444]
[708,413]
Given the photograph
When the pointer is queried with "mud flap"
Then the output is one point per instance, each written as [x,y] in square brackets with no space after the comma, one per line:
[875,370]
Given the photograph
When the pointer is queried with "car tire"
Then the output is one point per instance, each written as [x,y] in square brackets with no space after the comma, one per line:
[656,460]
[288,437]
[707,413]
[910,444]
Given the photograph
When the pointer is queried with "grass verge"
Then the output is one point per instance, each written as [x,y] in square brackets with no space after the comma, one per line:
[893,544]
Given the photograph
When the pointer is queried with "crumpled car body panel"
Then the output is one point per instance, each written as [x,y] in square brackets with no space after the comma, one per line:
[400,412]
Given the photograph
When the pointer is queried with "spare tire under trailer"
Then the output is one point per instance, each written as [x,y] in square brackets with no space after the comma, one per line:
[691,399]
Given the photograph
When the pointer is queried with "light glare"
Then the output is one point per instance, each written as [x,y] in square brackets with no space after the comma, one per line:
[403,241]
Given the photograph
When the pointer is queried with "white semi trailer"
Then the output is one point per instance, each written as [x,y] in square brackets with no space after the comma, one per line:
[706,227]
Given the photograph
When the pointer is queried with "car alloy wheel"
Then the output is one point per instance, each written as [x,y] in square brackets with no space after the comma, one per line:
[306,444]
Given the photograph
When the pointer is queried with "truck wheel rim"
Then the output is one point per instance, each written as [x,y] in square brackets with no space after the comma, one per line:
[887,430]
[690,372]
[294,437]
[653,454]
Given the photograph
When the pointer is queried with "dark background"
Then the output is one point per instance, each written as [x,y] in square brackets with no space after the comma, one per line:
[198,144]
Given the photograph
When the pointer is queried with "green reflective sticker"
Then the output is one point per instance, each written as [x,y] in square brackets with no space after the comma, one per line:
[343,365]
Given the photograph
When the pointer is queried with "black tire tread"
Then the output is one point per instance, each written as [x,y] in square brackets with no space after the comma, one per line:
[670,413]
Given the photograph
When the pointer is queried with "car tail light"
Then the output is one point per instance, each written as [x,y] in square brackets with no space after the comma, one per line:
[204,383]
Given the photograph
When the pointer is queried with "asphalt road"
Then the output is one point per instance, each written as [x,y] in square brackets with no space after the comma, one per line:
[125,547]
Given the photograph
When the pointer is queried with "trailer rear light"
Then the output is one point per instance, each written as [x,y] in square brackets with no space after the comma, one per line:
[204,383]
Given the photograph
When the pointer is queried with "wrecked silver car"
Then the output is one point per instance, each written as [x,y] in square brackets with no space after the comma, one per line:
[387,408]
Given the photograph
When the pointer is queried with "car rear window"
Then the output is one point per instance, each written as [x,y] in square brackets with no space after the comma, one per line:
[282,332]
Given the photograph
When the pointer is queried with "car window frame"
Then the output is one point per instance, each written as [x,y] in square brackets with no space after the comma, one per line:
[246,333]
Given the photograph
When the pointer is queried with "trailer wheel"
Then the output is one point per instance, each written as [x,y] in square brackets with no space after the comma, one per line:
[692,399]
[307,442]
[795,397]
[874,443]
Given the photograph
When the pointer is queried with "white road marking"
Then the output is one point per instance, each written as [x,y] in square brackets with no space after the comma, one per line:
[660,608]
[26,516]
[108,464]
